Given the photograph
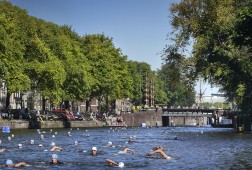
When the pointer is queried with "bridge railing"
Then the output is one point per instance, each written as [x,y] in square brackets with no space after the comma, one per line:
[188,112]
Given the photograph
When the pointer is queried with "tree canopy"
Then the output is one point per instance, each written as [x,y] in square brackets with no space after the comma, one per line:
[61,65]
[219,32]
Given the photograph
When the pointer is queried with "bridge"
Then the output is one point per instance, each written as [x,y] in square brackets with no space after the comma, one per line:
[187,117]
[189,112]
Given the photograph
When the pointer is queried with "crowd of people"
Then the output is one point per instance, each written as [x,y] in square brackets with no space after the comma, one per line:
[156,152]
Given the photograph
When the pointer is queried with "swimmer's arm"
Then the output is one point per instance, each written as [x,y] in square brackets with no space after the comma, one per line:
[20,164]
[164,155]
[125,151]
[54,148]
[110,162]
[151,153]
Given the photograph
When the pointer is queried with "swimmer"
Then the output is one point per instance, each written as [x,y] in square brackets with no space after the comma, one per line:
[69,134]
[159,150]
[75,142]
[31,142]
[55,159]
[2,149]
[94,151]
[113,163]
[131,139]
[109,144]
[20,146]
[42,137]
[9,163]
[126,149]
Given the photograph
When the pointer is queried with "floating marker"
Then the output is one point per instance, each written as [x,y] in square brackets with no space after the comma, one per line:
[6,129]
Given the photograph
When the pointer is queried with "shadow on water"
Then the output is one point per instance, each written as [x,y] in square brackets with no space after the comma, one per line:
[192,148]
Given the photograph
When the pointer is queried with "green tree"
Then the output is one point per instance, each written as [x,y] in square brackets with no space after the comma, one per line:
[44,66]
[110,78]
[160,94]
[176,74]
[139,71]
[12,48]
[221,43]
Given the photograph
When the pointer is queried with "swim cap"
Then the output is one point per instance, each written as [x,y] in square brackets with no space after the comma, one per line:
[121,165]
[53,144]
[110,143]
[54,156]
[9,162]
[20,145]
[94,148]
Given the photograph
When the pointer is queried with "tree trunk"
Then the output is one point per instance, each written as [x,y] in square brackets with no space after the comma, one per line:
[67,104]
[7,104]
[43,103]
[88,103]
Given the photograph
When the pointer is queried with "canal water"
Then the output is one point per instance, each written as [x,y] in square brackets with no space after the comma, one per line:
[191,148]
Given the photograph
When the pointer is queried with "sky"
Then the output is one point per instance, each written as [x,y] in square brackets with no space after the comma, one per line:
[138,27]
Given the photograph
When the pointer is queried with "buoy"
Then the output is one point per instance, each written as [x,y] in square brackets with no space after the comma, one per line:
[240,129]
[6,129]
[143,125]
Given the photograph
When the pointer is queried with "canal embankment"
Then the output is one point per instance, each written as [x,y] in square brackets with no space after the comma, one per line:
[149,117]
[23,124]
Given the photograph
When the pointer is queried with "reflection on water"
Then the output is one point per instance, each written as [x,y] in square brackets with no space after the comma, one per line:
[195,148]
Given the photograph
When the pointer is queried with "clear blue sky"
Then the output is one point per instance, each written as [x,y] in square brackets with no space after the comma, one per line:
[138,27]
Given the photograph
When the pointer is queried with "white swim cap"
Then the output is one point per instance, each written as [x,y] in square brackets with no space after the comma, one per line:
[54,156]
[9,162]
[20,145]
[121,165]
[53,144]
[110,143]
[32,141]
[94,148]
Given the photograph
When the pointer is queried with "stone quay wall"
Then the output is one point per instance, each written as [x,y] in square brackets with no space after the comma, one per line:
[22,124]
[149,117]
